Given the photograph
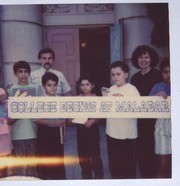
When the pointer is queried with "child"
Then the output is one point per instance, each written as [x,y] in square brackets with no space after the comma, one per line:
[51,134]
[5,134]
[24,131]
[88,138]
[121,133]
[163,126]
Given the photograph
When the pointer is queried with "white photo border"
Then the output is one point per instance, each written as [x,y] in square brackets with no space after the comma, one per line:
[174,17]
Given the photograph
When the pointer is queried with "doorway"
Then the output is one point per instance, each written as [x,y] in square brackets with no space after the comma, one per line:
[95,54]
[81,50]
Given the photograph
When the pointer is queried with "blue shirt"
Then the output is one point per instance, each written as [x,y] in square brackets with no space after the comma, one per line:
[162,86]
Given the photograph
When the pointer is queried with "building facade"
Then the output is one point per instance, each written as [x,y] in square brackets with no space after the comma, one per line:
[25,29]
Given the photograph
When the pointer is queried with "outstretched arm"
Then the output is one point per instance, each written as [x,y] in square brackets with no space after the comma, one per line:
[91,122]
[53,122]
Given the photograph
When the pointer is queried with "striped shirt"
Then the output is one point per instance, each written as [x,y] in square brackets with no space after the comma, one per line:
[163,125]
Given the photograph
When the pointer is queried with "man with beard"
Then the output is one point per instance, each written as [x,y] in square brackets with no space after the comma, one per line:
[46,57]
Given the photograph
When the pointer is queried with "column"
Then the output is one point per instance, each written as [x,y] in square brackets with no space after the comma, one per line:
[22,36]
[137,30]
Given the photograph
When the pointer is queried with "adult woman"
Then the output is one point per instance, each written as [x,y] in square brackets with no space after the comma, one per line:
[145,58]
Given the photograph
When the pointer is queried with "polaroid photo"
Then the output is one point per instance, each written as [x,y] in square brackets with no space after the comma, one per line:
[93,37]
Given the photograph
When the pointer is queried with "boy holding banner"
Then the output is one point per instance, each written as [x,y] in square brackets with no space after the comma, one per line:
[163,126]
[51,134]
[121,132]
[24,131]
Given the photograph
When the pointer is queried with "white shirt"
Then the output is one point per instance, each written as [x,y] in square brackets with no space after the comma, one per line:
[122,128]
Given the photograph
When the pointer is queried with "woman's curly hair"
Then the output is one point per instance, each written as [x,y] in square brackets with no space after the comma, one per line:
[143,49]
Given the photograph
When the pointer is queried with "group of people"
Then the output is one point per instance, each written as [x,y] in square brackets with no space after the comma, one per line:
[130,140]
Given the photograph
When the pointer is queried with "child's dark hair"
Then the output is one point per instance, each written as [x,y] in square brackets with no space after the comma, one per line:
[143,49]
[21,64]
[44,51]
[121,64]
[49,76]
[164,63]
[86,76]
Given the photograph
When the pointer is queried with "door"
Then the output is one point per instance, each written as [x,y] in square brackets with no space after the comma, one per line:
[65,43]
[116,42]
